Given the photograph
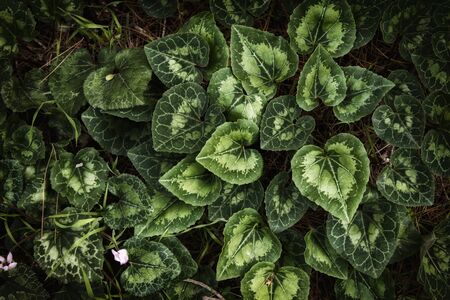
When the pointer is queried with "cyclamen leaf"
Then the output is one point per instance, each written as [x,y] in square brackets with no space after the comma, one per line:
[406,180]
[152,267]
[261,60]
[437,109]
[367,15]
[264,281]
[285,206]
[320,255]
[230,12]
[176,58]
[433,72]
[234,198]
[329,23]
[204,25]
[81,177]
[397,17]
[405,84]
[185,290]
[22,283]
[401,123]
[441,47]
[159,8]
[282,127]
[321,78]
[35,189]
[27,145]
[226,155]
[187,263]
[182,121]
[141,113]
[335,177]
[365,90]
[435,152]
[246,241]
[11,181]
[294,246]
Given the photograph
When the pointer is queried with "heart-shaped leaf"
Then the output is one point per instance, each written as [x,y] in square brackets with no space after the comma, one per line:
[401,122]
[367,16]
[433,72]
[121,85]
[265,281]
[187,263]
[226,154]
[176,58]
[365,90]
[159,8]
[405,84]
[329,23]
[321,78]
[27,145]
[246,241]
[407,180]
[282,127]
[335,177]
[437,109]
[182,121]
[397,17]
[22,283]
[285,206]
[230,12]
[435,152]
[261,60]
[80,178]
[11,181]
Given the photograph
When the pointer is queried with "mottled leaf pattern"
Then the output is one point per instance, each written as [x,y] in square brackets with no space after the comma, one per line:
[11,181]
[367,14]
[435,152]
[433,72]
[441,47]
[27,145]
[159,8]
[230,12]
[437,109]
[405,84]
[187,263]
[397,17]
[22,283]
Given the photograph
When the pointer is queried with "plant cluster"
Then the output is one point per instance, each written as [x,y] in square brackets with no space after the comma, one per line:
[145,154]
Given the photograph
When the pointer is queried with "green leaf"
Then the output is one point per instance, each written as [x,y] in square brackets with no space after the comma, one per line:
[294,246]
[188,265]
[335,177]
[282,127]
[230,12]
[22,283]
[433,72]
[67,79]
[134,205]
[246,241]
[365,90]
[176,58]
[141,113]
[265,281]
[320,255]
[441,47]
[35,190]
[191,183]
[435,152]
[437,108]
[397,17]
[234,198]
[367,15]
[261,60]
[152,267]
[407,180]
[321,78]
[159,8]
[169,216]
[26,145]
[120,85]
[182,120]
[368,241]
[401,122]
[81,177]
[285,206]
[115,135]
[405,84]
[204,25]
[190,291]
[329,23]
[226,153]
[11,181]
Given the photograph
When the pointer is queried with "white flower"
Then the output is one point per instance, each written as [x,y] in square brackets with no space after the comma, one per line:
[8,263]
[121,256]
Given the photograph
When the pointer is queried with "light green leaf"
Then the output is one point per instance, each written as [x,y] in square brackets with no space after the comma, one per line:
[261,60]
[367,15]
[266,282]
[335,177]
[437,109]
[329,23]
[285,206]
[401,122]
[152,267]
[204,25]
[35,191]
[176,58]
[120,85]
[26,145]
[169,216]
[282,127]
[433,72]
[321,78]
[22,283]
[226,153]
[441,47]
[182,120]
[405,84]
[407,180]
[230,12]
[397,17]
[234,198]
[246,241]
[11,181]
[187,263]
[294,246]
[191,183]
[365,90]
[159,8]
[435,152]
[81,177]
[320,255]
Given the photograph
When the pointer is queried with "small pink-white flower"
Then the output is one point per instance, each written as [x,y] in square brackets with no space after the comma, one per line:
[8,263]
[121,256]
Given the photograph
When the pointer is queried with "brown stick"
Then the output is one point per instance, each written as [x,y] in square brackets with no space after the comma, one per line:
[203,285]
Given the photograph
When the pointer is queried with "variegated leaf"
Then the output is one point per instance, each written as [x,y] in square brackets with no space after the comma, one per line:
[230,12]
[397,17]
[226,153]
[188,265]
[159,8]
[367,14]
[261,60]
[433,72]
[294,246]
[401,122]
[435,152]
[321,78]
[182,120]
[365,90]
[437,109]
[282,127]
[329,23]
[407,180]
[176,58]
[22,283]
[405,84]
[185,290]
[335,177]
[26,145]
[264,281]
[441,46]
[246,241]
[11,181]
